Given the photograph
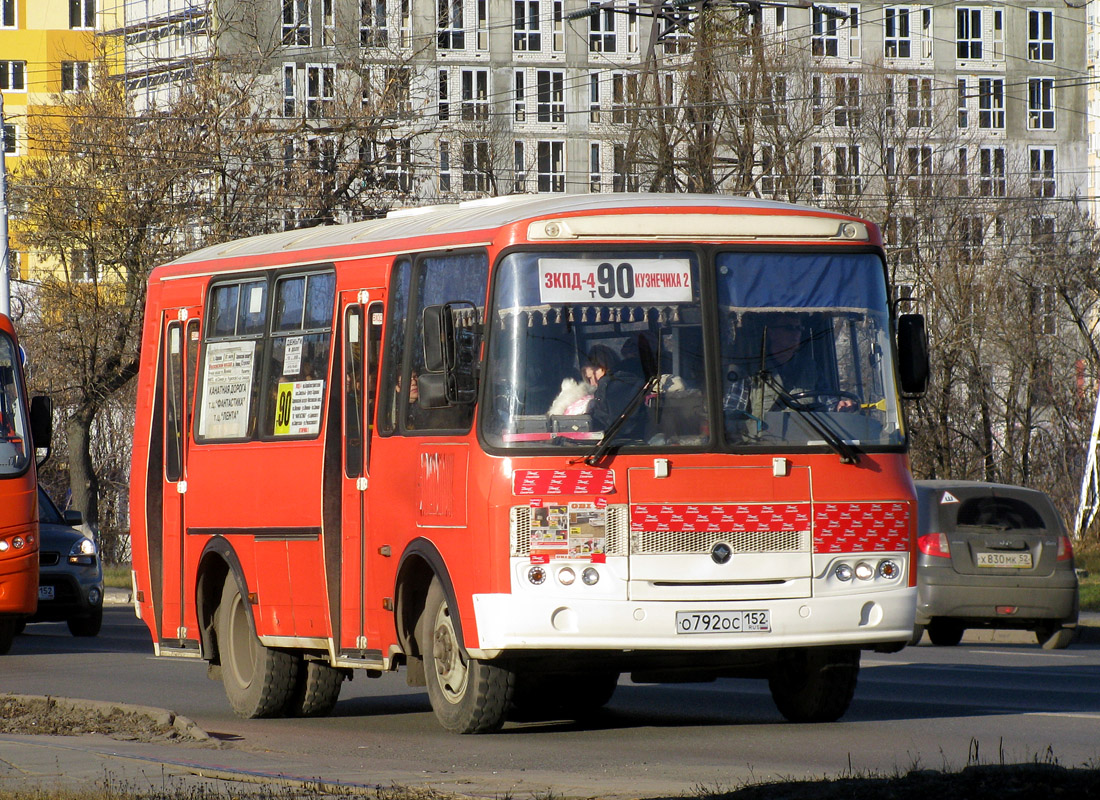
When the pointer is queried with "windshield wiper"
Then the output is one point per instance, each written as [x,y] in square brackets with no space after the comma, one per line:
[848,454]
[602,446]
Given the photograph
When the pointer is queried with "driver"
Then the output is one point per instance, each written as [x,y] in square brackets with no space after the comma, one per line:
[788,361]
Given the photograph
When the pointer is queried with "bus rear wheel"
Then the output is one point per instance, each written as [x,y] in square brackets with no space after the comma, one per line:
[815,684]
[258,680]
[7,634]
[467,695]
[316,690]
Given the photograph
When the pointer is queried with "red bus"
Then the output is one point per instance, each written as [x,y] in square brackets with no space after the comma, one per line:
[522,446]
[22,429]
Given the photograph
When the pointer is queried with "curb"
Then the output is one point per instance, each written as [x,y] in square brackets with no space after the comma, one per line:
[185,726]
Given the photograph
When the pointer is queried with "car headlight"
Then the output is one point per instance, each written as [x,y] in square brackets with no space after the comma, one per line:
[83,552]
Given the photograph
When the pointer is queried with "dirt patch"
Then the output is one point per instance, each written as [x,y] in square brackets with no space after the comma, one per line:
[58,716]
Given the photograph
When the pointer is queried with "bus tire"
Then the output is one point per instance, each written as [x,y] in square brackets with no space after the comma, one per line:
[258,680]
[539,696]
[87,626]
[815,684]
[467,695]
[316,690]
[7,634]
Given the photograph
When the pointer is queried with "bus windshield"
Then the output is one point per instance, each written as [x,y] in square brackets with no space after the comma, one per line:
[13,415]
[611,346]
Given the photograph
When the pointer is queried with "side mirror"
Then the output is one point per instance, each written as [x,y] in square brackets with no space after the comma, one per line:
[451,341]
[41,421]
[73,518]
[913,367]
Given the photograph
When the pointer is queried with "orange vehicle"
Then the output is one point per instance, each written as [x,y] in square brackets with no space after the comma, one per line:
[21,431]
[525,445]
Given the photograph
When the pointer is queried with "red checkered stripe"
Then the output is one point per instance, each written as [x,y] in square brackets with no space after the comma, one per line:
[861,527]
[686,518]
[551,482]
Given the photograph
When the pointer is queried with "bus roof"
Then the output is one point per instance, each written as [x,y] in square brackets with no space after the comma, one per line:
[486,214]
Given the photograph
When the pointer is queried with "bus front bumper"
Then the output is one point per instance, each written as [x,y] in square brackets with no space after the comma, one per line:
[509,623]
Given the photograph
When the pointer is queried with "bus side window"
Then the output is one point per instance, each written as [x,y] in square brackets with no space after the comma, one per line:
[394,348]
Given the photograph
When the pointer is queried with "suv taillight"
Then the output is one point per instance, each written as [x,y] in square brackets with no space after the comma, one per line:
[934,544]
[1065,548]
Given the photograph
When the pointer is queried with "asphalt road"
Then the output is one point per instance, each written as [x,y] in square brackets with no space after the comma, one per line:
[924,707]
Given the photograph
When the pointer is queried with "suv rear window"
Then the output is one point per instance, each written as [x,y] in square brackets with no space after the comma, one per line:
[998,512]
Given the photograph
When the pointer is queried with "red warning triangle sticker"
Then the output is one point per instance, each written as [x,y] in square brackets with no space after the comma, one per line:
[948,498]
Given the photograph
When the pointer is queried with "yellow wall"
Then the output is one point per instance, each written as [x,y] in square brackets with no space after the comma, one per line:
[42,38]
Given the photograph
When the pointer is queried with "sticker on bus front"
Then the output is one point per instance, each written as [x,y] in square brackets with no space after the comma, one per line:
[591,280]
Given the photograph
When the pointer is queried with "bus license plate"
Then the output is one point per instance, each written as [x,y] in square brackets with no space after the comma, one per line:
[1007,560]
[723,622]
[45,593]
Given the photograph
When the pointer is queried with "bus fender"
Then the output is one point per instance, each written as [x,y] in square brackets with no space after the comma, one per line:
[217,561]
[420,562]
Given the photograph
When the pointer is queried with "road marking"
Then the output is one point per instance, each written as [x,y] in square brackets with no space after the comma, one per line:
[1067,714]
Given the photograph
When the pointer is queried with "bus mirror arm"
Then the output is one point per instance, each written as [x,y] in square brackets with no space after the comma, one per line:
[42,425]
[450,353]
[913,369]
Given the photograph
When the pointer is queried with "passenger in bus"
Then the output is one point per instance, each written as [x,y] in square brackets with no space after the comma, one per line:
[616,385]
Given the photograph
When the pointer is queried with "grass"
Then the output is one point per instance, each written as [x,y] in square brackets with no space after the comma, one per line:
[1087,558]
[116,575]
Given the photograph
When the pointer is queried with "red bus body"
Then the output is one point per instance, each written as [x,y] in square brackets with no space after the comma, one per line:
[18,493]
[706,555]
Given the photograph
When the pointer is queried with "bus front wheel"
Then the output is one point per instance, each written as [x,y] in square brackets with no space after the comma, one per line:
[258,680]
[467,695]
[815,684]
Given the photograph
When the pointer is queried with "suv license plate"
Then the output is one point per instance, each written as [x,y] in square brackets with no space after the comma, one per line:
[1007,560]
[723,622]
[45,593]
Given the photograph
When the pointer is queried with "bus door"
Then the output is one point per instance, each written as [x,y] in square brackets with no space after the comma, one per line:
[361,326]
[179,627]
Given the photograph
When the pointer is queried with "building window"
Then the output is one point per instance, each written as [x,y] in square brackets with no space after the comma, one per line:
[320,91]
[475,166]
[770,180]
[1040,34]
[964,108]
[601,28]
[962,173]
[676,35]
[10,140]
[826,39]
[551,166]
[991,103]
[971,239]
[632,26]
[74,76]
[519,98]
[451,34]
[1044,302]
[81,14]
[296,23]
[551,95]
[594,97]
[475,94]
[991,164]
[775,101]
[328,23]
[7,14]
[897,41]
[1042,232]
[290,90]
[817,99]
[1040,104]
[919,113]
[396,91]
[444,166]
[557,43]
[594,174]
[968,33]
[519,169]
[817,178]
[624,96]
[1041,171]
[846,111]
[13,76]
[919,179]
[623,178]
[444,105]
[372,23]
[848,180]
[482,24]
[397,168]
[526,35]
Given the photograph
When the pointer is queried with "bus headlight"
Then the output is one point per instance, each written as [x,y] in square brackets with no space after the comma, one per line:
[590,576]
[843,572]
[864,571]
[566,576]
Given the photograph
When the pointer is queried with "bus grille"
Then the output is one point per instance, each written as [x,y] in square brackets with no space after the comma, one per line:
[699,542]
[618,526]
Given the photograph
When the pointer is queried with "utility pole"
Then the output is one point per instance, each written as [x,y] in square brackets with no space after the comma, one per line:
[5,260]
